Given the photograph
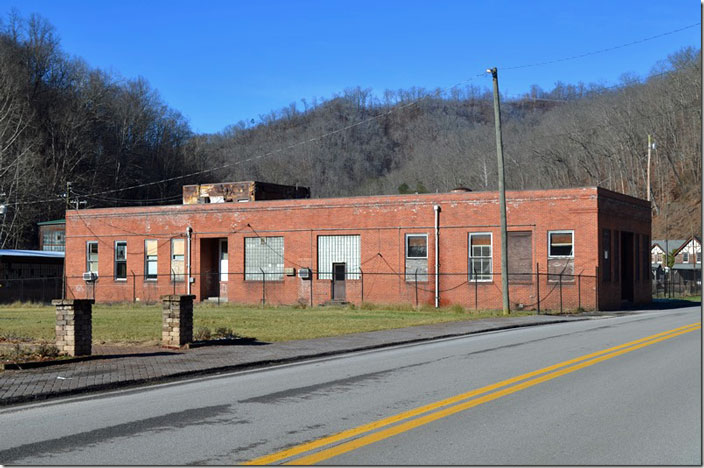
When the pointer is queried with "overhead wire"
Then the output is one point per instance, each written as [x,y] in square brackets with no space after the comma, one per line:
[362,122]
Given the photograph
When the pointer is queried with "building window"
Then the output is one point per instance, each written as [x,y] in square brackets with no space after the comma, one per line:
[561,256]
[92,256]
[606,255]
[177,259]
[480,259]
[416,257]
[150,259]
[120,260]
[685,257]
[561,244]
[339,249]
[263,258]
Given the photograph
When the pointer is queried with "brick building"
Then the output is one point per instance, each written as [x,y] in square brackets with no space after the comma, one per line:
[422,248]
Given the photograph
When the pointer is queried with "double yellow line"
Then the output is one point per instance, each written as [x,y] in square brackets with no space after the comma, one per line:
[369,433]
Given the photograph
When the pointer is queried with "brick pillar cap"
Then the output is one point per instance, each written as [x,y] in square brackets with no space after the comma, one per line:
[72,301]
[177,297]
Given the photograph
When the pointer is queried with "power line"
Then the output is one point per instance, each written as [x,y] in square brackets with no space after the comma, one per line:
[600,51]
[362,122]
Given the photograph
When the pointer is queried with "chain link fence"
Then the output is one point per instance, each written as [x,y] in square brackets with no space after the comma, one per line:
[540,292]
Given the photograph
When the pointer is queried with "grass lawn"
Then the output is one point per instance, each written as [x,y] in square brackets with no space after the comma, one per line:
[138,323]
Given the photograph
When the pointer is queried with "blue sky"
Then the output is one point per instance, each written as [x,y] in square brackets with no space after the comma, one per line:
[219,62]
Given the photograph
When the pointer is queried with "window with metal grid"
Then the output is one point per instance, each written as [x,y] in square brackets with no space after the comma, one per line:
[264,258]
[339,249]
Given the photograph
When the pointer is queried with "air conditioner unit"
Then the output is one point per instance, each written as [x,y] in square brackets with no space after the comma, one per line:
[90,276]
[304,273]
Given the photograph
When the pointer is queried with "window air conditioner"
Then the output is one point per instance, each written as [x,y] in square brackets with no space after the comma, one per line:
[304,273]
[90,276]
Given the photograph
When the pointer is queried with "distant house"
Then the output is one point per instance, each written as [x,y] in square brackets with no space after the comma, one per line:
[688,260]
[52,235]
[30,275]
[658,247]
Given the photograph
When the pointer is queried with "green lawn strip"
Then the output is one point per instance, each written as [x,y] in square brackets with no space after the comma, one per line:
[130,323]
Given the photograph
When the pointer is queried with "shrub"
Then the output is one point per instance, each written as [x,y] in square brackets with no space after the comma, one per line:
[202,334]
[457,309]
[224,332]
[47,350]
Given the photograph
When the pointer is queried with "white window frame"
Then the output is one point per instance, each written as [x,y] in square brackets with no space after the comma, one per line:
[177,277]
[562,231]
[685,257]
[123,242]
[479,278]
[426,245]
[88,260]
[148,260]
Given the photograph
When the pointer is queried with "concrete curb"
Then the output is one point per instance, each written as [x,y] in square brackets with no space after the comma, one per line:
[251,365]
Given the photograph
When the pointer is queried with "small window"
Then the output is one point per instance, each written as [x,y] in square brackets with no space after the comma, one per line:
[92,256]
[480,258]
[150,259]
[177,259]
[416,246]
[561,244]
[685,257]
[120,260]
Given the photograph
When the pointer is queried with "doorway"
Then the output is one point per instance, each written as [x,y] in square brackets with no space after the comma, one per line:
[339,275]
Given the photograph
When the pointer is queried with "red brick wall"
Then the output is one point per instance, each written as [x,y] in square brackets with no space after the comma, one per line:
[381,221]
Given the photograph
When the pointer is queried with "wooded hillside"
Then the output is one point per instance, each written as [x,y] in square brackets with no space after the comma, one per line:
[61,121]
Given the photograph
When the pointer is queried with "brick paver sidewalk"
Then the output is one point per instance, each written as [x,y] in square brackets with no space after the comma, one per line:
[149,365]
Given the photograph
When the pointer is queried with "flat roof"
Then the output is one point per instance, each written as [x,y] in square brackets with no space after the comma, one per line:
[55,221]
[30,253]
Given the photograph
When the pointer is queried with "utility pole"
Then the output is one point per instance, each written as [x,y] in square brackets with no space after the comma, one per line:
[502,192]
[68,206]
[651,145]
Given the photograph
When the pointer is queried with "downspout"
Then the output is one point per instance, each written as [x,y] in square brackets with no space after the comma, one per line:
[189,230]
[437,258]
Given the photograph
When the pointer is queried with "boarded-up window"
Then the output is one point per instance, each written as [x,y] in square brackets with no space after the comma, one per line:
[520,256]
[416,257]
[263,258]
[561,244]
[646,264]
[616,256]
[177,259]
[636,246]
[150,259]
[339,249]
[480,257]
[606,255]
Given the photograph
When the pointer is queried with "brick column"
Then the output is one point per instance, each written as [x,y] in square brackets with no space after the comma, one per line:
[74,329]
[177,320]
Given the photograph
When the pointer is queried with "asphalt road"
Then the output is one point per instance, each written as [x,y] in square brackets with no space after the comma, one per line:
[638,404]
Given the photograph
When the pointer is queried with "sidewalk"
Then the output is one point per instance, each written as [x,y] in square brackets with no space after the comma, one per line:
[138,366]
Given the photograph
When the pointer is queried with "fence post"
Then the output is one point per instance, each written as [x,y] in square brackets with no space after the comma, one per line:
[311,285]
[263,288]
[560,292]
[173,280]
[416,283]
[596,289]
[361,275]
[134,288]
[476,291]
[537,284]
[579,291]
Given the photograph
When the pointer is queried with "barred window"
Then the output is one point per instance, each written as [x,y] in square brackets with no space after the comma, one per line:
[480,258]
[150,259]
[264,258]
[339,249]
